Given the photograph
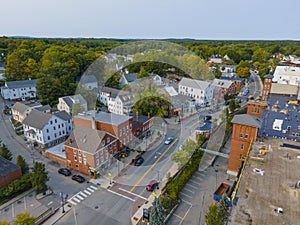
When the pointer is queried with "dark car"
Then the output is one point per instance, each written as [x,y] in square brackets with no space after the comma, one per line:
[78,178]
[139,161]
[152,185]
[64,171]
[207,118]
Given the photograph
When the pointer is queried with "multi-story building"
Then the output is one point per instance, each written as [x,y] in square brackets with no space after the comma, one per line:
[244,131]
[122,104]
[267,86]
[8,172]
[90,151]
[67,103]
[224,86]
[108,94]
[20,90]
[47,129]
[201,91]
[287,75]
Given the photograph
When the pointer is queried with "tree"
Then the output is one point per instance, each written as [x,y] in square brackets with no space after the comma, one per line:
[232,105]
[156,213]
[223,209]
[182,157]
[212,217]
[22,163]
[39,177]
[77,108]
[24,219]
[5,153]
[4,223]
[142,73]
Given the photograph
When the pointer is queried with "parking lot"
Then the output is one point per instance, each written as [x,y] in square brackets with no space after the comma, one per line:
[260,195]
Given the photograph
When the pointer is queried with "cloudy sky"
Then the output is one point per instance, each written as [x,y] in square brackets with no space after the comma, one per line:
[201,19]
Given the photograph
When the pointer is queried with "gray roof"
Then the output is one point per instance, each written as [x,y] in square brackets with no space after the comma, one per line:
[86,139]
[37,119]
[43,108]
[205,127]
[269,76]
[88,79]
[284,89]
[63,115]
[112,91]
[6,167]
[68,101]
[104,117]
[247,120]
[20,107]
[197,84]
[130,77]
[222,83]
[126,98]
[20,83]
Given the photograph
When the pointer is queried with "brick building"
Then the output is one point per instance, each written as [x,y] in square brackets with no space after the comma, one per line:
[245,129]
[90,151]
[8,172]
[267,86]
[255,108]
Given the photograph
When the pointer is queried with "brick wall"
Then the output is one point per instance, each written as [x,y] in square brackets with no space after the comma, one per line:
[8,178]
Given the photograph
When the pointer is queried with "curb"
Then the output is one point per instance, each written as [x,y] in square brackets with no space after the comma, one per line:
[16,198]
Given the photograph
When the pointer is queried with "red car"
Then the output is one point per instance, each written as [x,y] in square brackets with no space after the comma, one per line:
[152,185]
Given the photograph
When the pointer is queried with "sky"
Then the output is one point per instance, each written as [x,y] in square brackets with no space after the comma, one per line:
[199,19]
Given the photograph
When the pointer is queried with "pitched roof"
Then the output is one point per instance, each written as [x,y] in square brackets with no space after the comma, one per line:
[197,84]
[269,76]
[6,167]
[63,115]
[20,107]
[68,101]
[130,77]
[247,120]
[109,118]
[21,83]
[222,83]
[86,139]
[71,100]
[205,127]
[88,79]
[284,89]
[112,91]
[37,119]
[43,108]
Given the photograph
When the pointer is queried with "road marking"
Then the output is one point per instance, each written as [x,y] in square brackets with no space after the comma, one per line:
[192,181]
[89,193]
[186,195]
[177,216]
[186,189]
[193,124]
[94,187]
[91,190]
[77,200]
[82,194]
[189,203]
[139,196]
[185,214]
[151,167]
[78,196]
[192,186]
[50,203]
[74,203]
[194,177]
[121,195]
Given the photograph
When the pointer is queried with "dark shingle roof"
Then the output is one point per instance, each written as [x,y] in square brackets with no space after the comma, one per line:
[68,101]
[63,115]
[6,167]
[37,119]
[131,77]
[21,83]
[43,108]
[247,120]
[269,76]
[206,126]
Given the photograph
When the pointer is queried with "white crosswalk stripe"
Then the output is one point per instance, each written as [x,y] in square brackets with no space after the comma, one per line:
[78,196]
[90,189]
[76,199]
[85,191]
[94,187]
[72,202]
[82,194]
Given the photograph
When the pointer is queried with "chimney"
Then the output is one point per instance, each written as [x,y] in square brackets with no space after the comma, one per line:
[137,116]
[93,123]
[148,115]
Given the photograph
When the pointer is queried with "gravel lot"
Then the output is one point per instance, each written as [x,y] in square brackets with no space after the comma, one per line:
[260,195]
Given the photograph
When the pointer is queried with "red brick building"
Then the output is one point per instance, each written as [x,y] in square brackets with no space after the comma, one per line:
[245,129]
[267,86]
[255,108]
[8,172]
[90,151]
[125,128]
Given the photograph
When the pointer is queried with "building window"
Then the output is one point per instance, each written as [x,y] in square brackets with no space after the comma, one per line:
[97,155]
[120,132]
[55,120]
[51,122]
[246,136]
[62,125]
[108,140]
[241,135]
[242,146]
[74,151]
[84,161]
[102,159]
[47,130]
[48,138]
[97,162]
[241,156]
[54,128]
[58,126]
[80,159]
[75,158]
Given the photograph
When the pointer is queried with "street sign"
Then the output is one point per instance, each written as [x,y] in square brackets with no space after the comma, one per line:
[146,213]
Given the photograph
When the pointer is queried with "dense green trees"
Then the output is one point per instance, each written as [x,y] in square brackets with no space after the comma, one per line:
[156,213]
[5,153]
[24,219]
[182,156]
[22,163]
[39,177]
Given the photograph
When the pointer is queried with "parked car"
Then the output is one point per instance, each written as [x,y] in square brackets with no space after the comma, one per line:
[152,185]
[258,171]
[64,171]
[169,140]
[78,178]
[139,161]
[207,117]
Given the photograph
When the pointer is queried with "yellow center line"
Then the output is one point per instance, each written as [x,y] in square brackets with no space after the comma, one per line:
[145,174]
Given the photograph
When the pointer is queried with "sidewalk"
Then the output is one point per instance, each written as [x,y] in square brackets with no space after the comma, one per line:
[58,215]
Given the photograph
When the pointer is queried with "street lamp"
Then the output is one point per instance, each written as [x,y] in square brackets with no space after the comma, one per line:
[63,200]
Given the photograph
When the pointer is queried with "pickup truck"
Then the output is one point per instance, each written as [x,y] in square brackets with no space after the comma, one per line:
[222,189]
